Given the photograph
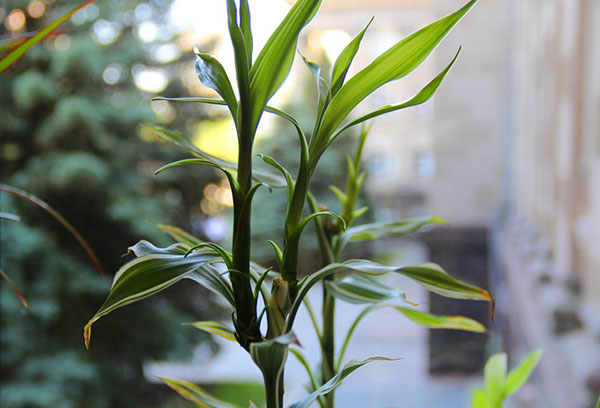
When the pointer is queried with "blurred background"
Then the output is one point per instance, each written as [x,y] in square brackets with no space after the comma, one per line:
[508,151]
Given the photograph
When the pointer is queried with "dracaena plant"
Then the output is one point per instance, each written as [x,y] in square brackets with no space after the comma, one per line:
[265,302]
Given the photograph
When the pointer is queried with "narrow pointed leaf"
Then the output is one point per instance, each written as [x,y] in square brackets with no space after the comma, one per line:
[284,172]
[213,75]
[152,273]
[479,399]
[9,217]
[246,27]
[335,381]
[242,66]
[215,328]
[196,394]
[275,59]
[143,248]
[519,375]
[18,52]
[441,322]
[494,374]
[272,179]
[395,63]
[423,96]
[430,275]
[379,230]
[235,189]
[436,280]
[340,194]
[4,276]
[343,62]
[322,85]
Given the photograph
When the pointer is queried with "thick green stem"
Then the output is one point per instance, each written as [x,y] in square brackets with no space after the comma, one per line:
[273,381]
[246,319]
[272,393]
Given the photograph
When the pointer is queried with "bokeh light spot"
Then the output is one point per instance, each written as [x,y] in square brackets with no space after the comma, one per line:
[36,8]
[16,20]
[112,74]
[151,80]
[106,32]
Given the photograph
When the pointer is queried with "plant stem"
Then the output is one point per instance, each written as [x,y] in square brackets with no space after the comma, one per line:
[272,394]
[328,343]
[327,338]
[246,319]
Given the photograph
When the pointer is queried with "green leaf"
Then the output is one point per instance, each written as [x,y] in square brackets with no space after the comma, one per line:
[340,194]
[217,249]
[430,275]
[336,380]
[519,375]
[494,374]
[395,63]
[479,399]
[242,68]
[195,394]
[4,276]
[246,27]
[598,403]
[436,280]
[423,96]
[342,64]
[18,52]
[288,177]
[441,322]
[9,217]
[275,59]
[215,328]
[379,230]
[322,85]
[143,248]
[358,289]
[152,273]
[213,75]
[235,187]
[272,179]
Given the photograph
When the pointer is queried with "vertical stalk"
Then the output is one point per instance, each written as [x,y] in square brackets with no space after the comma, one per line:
[246,318]
[272,393]
[328,309]
[328,343]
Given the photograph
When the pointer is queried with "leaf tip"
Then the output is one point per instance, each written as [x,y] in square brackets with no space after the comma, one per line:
[87,333]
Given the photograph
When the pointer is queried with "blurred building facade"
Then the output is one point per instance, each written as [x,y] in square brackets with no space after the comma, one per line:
[547,233]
